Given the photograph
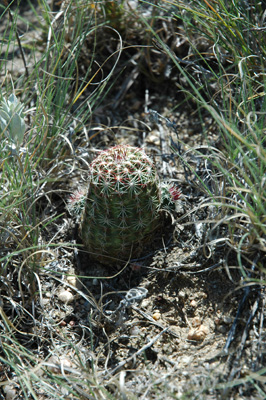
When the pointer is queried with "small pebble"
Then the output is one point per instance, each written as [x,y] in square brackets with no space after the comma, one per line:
[185,359]
[58,364]
[198,334]
[145,303]
[193,303]
[45,301]
[181,294]
[156,316]
[222,329]
[227,320]
[65,296]
[196,322]
[153,138]
[72,280]
[244,371]
[134,331]
[10,392]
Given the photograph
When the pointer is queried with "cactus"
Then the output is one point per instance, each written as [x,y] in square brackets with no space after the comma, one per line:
[122,207]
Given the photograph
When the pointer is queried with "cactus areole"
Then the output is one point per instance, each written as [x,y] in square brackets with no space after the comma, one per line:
[122,205]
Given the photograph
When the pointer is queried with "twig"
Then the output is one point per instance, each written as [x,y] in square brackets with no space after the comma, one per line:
[19,42]
[232,331]
[246,330]
[144,348]
[240,348]
[166,50]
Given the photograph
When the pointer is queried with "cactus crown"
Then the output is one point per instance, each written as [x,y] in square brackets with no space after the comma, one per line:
[122,169]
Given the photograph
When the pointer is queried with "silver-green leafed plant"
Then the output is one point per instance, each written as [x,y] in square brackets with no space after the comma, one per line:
[12,119]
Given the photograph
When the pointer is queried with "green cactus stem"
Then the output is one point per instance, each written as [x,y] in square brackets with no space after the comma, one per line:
[122,208]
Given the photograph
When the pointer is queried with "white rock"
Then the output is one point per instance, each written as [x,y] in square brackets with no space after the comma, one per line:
[65,296]
[198,334]
[57,364]
[72,280]
[10,392]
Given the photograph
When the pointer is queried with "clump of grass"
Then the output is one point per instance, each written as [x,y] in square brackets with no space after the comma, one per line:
[225,76]
[237,106]
[58,104]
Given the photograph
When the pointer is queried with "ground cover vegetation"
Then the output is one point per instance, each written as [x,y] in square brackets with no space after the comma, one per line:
[185,81]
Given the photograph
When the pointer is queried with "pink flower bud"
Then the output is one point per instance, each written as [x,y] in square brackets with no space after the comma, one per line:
[175,193]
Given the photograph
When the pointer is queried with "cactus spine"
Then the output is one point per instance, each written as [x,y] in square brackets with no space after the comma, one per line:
[122,205]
